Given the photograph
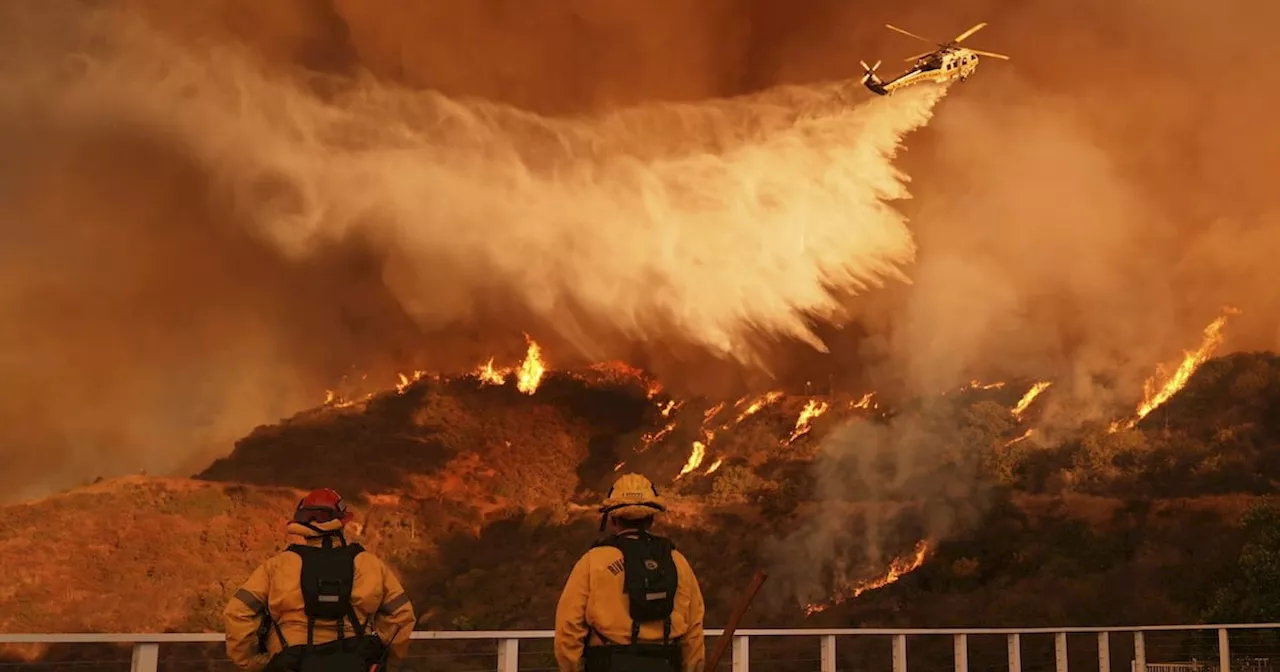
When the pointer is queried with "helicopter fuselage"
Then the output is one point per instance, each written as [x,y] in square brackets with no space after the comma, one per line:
[940,67]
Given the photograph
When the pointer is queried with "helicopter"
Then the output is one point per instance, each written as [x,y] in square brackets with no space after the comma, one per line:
[947,63]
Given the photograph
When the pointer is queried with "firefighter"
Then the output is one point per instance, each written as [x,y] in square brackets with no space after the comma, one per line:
[323,604]
[632,602]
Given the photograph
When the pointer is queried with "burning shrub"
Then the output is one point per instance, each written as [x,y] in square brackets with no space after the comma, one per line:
[735,482]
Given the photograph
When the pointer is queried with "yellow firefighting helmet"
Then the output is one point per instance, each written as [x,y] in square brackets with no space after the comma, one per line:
[632,497]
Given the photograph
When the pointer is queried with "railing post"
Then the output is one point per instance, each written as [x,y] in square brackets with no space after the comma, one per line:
[961,644]
[146,658]
[1139,652]
[741,653]
[1060,651]
[1104,652]
[1015,653]
[899,653]
[1224,651]
[828,663]
[508,655]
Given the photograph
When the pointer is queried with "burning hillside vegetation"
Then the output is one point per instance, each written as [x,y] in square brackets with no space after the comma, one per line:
[890,511]
[524,434]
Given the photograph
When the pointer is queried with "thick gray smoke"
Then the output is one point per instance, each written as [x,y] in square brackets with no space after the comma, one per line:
[882,488]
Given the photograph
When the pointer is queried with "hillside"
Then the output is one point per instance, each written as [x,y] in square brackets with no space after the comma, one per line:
[482,496]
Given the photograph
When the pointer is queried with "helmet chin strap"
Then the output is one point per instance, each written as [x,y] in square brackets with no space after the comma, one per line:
[326,536]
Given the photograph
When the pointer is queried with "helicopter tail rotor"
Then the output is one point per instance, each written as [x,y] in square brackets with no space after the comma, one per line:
[869,71]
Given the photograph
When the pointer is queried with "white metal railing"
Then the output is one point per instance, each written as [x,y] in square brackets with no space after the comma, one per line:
[146,646]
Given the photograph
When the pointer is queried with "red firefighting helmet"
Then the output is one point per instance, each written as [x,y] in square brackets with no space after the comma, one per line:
[321,506]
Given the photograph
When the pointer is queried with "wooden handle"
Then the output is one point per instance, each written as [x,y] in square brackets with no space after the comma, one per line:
[722,644]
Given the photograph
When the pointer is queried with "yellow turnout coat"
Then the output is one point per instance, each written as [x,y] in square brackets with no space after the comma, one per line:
[376,595]
[594,596]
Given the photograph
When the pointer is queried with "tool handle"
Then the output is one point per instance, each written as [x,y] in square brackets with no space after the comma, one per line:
[722,643]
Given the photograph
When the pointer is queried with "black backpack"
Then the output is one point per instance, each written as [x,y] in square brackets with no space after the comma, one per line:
[650,579]
[328,575]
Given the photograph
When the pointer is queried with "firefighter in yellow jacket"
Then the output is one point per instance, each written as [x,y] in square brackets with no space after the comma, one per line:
[323,604]
[632,602]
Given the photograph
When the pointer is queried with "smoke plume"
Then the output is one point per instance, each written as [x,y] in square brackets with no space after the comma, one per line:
[185,221]
[881,489]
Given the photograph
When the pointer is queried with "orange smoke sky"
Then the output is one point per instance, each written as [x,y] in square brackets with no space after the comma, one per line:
[1075,212]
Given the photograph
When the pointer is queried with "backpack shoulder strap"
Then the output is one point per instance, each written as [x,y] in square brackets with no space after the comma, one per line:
[353,550]
[661,549]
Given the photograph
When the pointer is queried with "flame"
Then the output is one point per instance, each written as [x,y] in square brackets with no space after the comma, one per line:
[1025,435]
[812,410]
[695,459]
[979,385]
[653,389]
[491,376]
[1154,396]
[648,439]
[1029,397]
[670,406]
[898,568]
[528,375]
[865,402]
[712,412]
[406,381]
[332,400]
[765,400]
[531,370]
[619,466]
[715,465]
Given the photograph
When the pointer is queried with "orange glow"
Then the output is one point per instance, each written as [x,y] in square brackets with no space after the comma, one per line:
[406,381]
[1029,397]
[758,404]
[1155,394]
[898,568]
[1025,435]
[528,375]
[867,402]
[531,370]
[648,439]
[491,376]
[813,409]
[695,459]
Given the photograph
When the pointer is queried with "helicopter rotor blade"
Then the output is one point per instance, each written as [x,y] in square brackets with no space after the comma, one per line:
[907,33]
[876,66]
[991,54]
[969,32]
[917,56]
